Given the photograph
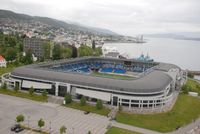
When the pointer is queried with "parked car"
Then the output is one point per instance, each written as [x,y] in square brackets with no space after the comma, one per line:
[13,128]
[86,112]
[19,129]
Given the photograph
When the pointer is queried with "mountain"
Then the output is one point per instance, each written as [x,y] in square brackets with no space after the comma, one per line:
[6,14]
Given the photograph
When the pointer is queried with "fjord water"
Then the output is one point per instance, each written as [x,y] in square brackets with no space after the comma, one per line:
[184,53]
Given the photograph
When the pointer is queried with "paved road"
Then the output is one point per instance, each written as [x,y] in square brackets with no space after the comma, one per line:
[75,120]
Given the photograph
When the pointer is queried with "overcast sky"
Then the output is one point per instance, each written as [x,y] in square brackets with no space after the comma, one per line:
[128,17]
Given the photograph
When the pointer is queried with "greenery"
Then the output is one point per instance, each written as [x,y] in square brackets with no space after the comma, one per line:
[25,95]
[99,105]
[89,132]
[191,86]
[68,98]
[9,68]
[83,101]
[47,49]
[90,108]
[116,130]
[4,86]
[11,46]
[113,76]
[41,123]
[31,91]
[16,87]
[20,118]
[66,52]
[190,75]
[28,58]
[63,130]
[56,52]
[185,111]
[84,50]
[44,93]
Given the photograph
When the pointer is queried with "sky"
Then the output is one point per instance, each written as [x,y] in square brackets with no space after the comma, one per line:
[127,17]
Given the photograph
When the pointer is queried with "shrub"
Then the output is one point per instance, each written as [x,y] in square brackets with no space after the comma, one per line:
[16,87]
[99,104]
[20,118]
[4,86]
[41,123]
[31,91]
[83,101]
[63,130]
[44,93]
[68,98]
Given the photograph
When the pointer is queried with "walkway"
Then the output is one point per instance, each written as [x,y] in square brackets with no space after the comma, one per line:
[133,128]
[187,128]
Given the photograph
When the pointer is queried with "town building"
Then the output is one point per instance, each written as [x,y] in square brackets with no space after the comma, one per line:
[2,61]
[35,45]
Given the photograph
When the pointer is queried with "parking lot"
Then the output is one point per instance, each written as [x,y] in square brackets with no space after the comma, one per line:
[54,116]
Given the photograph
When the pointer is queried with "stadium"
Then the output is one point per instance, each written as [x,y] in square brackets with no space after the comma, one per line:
[135,85]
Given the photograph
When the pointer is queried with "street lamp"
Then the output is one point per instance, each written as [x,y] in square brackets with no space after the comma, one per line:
[73,129]
[50,127]
[28,121]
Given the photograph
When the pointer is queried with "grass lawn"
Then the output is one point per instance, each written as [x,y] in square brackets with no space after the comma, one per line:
[34,97]
[90,108]
[113,76]
[185,110]
[6,70]
[116,130]
[195,86]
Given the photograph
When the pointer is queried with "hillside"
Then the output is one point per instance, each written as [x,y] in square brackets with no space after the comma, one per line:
[23,18]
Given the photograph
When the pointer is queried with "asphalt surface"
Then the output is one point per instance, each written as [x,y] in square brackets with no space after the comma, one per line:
[54,116]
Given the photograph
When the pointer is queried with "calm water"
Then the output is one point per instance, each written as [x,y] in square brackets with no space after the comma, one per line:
[197,77]
[183,53]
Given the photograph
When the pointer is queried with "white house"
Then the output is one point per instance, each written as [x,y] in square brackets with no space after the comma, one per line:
[2,61]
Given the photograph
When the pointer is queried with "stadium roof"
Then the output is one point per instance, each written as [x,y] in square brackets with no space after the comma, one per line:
[155,81]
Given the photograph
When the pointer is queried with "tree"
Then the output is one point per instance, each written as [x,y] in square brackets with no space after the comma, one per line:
[85,51]
[47,50]
[66,52]
[11,54]
[44,93]
[31,91]
[20,118]
[4,86]
[63,129]
[98,51]
[56,52]
[68,98]
[28,59]
[89,132]
[74,52]
[99,104]
[83,101]
[93,45]
[41,123]
[190,75]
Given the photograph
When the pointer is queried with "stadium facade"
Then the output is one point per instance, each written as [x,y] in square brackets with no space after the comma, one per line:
[135,85]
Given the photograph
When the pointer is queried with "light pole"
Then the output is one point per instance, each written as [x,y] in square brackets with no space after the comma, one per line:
[50,127]
[28,121]
[73,129]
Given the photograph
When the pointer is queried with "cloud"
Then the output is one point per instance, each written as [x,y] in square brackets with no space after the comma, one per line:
[127,17]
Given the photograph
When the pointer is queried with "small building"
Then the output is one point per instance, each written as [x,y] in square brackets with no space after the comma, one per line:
[2,61]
